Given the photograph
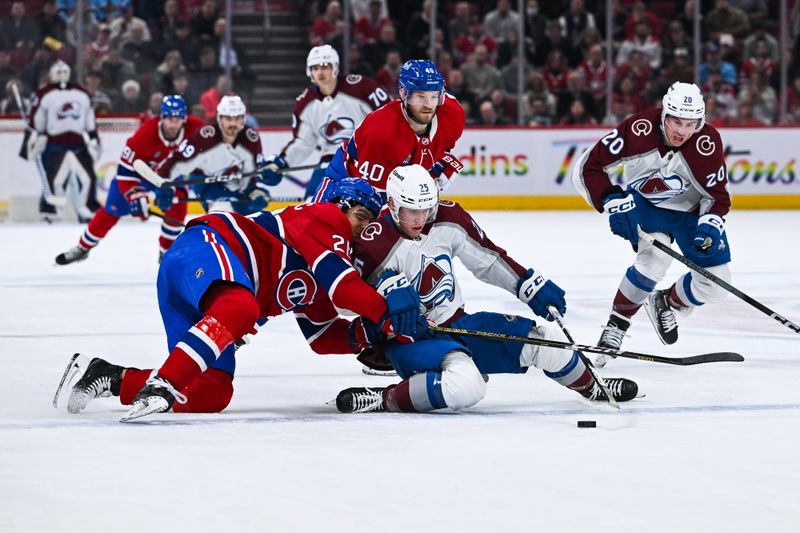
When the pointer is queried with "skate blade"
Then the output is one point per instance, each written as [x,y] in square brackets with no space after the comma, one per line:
[153,405]
[73,368]
[372,372]
[600,405]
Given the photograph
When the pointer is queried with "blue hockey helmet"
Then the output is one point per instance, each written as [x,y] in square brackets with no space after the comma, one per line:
[420,75]
[350,191]
[173,105]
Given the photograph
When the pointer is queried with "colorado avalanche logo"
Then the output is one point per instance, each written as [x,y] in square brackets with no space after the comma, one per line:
[705,145]
[435,282]
[69,109]
[658,188]
[295,288]
[336,130]
[206,132]
[373,230]
[251,134]
[641,127]
[352,79]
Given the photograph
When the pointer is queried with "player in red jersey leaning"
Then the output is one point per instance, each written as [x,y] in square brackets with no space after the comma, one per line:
[128,193]
[327,112]
[421,128]
[226,271]
[677,190]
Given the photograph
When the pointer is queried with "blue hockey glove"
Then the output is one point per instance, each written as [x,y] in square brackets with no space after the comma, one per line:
[708,234]
[138,202]
[271,175]
[539,293]
[164,196]
[258,199]
[403,305]
[623,217]
[362,333]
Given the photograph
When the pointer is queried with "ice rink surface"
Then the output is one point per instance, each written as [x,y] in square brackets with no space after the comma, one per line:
[714,447]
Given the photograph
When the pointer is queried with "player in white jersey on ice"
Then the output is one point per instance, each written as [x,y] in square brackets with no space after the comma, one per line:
[418,239]
[327,112]
[675,188]
[225,148]
[62,141]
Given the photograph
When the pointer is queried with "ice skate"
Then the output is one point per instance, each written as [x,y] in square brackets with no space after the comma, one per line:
[73,255]
[157,396]
[611,338]
[662,316]
[622,389]
[361,400]
[100,380]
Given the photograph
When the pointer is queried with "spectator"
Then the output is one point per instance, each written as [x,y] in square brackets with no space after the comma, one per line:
[101,102]
[375,53]
[595,74]
[644,42]
[98,49]
[249,120]
[628,94]
[152,12]
[121,26]
[358,65]
[760,35]
[760,62]
[167,70]
[554,72]
[7,71]
[589,38]
[19,32]
[639,14]
[368,27]
[144,55]
[418,31]
[756,10]
[501,19]
[725,18]
[480,76]
[488,116]
[619,17]
[115,71]
[553,41]
[505,106]
[459,24]
[578,115]
[575,90]
[169,20]
[232,56]
[620,110]
[537,88]
[508,49]
[509,74]
[638,70]
[538,115]
[198,111]
[180,85]
[673,39]
[49,24]
[534,22]
[743,116]
[465,45]
[213,95]
[184,42]
[729,51]
[90,26]
[722,93]
[35,73]
[203,22]
[761,97]
[153,107]
[207,71]
[575,21]
[680,68]
[130,102]
[107,10]
[324,28]
[389,74]
[793,102]
[713,61]
[360,8]
[686,17]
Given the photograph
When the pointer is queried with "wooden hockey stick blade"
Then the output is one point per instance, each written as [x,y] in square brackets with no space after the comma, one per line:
[714,357]
[719,281]
[144,170]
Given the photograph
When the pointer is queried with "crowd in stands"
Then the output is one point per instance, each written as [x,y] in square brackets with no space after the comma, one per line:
[133,53]
[564,55]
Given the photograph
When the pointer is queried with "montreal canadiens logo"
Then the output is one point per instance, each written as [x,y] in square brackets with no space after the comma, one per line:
[641,127]
[296,288]
[206,132]
[705,146]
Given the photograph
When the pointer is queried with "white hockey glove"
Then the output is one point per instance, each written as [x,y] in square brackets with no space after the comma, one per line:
[92,146]
[445,171]
[36,144]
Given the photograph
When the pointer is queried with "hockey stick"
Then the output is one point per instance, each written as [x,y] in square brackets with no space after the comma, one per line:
[170,220]
[47,192]
[715,357]
[152,176]
[612,402]
[288,199]
[719,281]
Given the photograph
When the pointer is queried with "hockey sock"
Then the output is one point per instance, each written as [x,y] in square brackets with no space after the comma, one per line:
[419,393]
[98,227]
[574,375]
[633,291]
[230,312]
[169,230]
[132,382]
[210,392]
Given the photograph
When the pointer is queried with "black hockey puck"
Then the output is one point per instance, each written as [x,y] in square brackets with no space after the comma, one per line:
[587,424]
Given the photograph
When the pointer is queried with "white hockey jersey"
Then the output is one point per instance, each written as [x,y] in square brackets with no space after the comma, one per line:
[63,112]
[324,122]
[428,261]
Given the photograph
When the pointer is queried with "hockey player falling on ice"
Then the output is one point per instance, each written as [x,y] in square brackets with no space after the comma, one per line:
[62,141]
[327,112]
[225,148]
[674,168]
[128,193]
[421,127]
[225,272]
[420,237]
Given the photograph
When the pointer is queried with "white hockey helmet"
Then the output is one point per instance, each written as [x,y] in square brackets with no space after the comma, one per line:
[411,187]
[59,72]
[230,106]
[322,55]
[684,100]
